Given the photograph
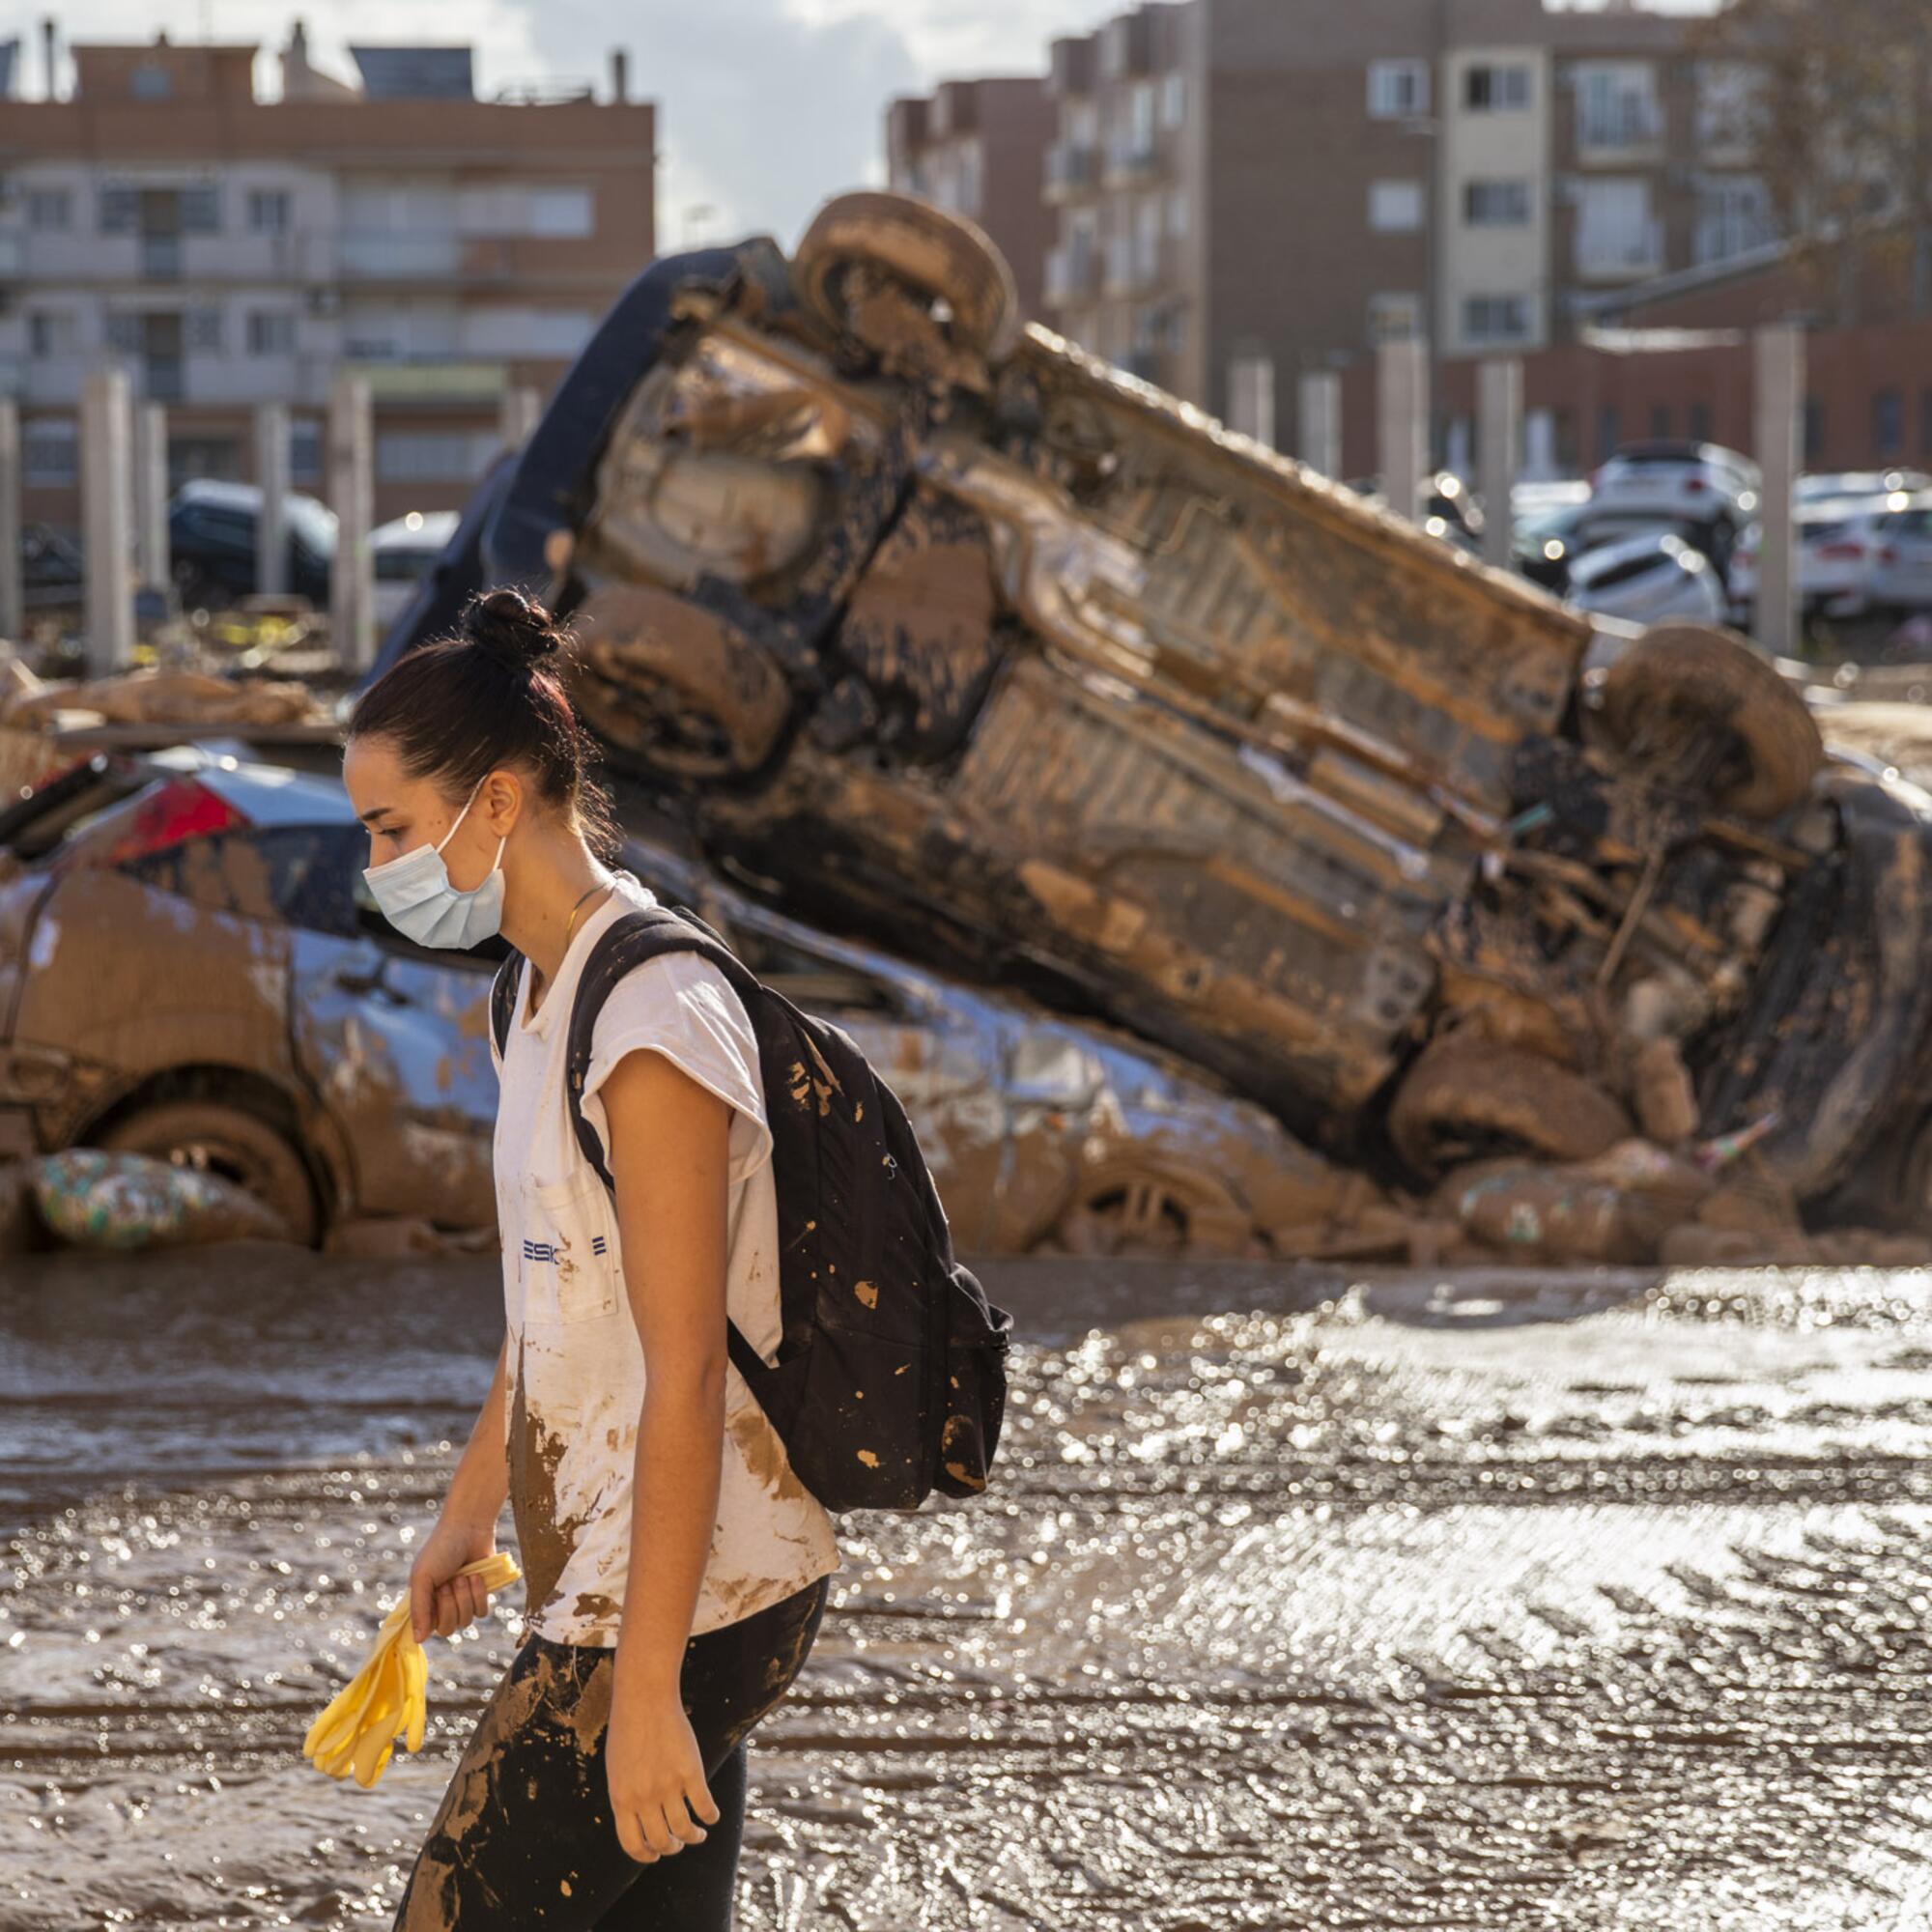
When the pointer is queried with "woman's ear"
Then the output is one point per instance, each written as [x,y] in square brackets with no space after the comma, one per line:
[501,801]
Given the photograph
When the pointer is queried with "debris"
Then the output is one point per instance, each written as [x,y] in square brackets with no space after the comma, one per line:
[95,1199]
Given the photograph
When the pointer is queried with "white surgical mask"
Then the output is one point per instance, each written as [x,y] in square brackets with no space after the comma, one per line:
[416,898]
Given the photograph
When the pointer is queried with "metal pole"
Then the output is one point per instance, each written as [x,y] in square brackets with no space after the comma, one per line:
[1321,410]
[12,603]
[351,491]
[1402,428]
[272,475]
[1499,440]
[1779,357]
[151,494]
[106,466]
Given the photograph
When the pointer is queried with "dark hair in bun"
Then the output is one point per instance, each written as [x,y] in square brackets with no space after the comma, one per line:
[512,626]
[462,706]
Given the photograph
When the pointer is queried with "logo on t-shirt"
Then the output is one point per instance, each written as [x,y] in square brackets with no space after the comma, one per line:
[547,1251]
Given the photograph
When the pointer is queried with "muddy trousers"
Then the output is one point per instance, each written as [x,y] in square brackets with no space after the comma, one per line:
[524,1837]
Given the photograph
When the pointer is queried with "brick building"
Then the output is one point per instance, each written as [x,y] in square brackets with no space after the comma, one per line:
[232,249]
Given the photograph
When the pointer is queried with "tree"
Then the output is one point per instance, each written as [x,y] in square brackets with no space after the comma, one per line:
[1842,131]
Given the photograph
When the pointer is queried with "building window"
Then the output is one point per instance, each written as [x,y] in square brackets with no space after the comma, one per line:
[1660,422]
[1617,104]
[116,209]
[1610,431]
[305,450]
[566,212]
[1700,422]
[1496,90]
[1395,206]
[1814,429]
[1616,233]
[1496,204]
[1889,423]
[269,211]
[1394,316]
[125,331]
[48,452]
[51,332]
[1925,421]
[1177,213]
[49,207]
[1731,103]
[272,331]
[434,456]
[1733,216]
[201,208]
[1398,89]
[202,328]
[151,81]
[1496,317]
[1173,99]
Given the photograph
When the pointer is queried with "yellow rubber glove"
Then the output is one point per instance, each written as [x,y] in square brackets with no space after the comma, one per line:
[388,1694]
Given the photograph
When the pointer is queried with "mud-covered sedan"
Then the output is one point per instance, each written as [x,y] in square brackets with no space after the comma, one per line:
[190,966]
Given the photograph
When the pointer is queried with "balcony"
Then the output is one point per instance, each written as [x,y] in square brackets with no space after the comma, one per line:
[1133,160]
[161,258]
[391,255]
[430,381]
[1072,170]
[1625,254]
[1072,275]
[1625,128]
[161,378]
[1136,269]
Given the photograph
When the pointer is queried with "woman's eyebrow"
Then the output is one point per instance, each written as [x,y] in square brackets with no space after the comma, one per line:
[374,811]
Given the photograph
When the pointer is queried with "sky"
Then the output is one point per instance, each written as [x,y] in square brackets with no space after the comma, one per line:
[765,107]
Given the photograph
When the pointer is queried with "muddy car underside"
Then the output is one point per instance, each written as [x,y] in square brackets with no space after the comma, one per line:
[947,631]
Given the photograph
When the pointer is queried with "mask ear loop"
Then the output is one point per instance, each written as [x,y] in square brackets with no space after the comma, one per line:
[465,813]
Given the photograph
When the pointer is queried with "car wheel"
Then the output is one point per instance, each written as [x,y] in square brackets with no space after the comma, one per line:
[1152,1216]
[1701,710]
[239,1145]
[1474,1099]
[942,256]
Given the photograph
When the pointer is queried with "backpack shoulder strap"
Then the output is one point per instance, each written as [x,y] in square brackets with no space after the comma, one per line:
[625,943]
[503,998]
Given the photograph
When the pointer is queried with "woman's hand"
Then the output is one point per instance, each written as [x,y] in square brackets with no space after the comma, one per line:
[439,1599]
[653,1766]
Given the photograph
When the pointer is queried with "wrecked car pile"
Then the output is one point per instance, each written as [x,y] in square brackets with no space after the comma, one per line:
[945,631]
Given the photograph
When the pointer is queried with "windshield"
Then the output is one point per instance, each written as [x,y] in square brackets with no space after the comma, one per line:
[313,522]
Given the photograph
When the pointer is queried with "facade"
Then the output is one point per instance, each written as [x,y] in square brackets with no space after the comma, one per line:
[1245,191]
[978,147]
[232,250]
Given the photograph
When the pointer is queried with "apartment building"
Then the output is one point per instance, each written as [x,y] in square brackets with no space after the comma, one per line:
[978,147]
[232,248]
[1247,190]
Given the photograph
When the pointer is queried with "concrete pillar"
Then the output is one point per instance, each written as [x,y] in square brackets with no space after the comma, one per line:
[12,605]
[352,495]
[272,475]
[520,412]
[1320,437]
[1402,421]
[151,494]
[1498,437]
[1779,357]
[106,465]
[1251,397]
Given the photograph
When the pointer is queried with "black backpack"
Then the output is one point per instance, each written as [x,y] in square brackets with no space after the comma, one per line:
[891,1378]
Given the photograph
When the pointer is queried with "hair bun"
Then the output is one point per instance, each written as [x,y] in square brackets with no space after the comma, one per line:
[512,627]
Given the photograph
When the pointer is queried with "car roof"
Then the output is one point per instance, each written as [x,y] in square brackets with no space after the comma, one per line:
[1606,556]
[434,528]
[265,794]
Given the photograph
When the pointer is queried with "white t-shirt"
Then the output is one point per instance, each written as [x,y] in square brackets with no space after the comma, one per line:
[576,1362]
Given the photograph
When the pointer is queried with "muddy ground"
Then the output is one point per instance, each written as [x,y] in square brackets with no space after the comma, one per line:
[1305,1599]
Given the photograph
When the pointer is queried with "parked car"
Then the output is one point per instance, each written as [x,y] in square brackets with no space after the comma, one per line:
[1700,484]
[402,553]
[191,967]
[940,629]
[212,538]
[1866,555]
[1845,484]
[1651,579]
[1902,559]
[53,574]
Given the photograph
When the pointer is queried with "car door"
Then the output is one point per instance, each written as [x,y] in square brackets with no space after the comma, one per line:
[1905,570]
[393,1037]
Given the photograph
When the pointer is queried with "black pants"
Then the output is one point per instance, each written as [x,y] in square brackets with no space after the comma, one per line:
[526,1837]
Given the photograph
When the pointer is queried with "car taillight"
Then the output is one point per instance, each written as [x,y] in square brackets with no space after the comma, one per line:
[1887,556]
[182,807]
[1842,553]
[1695,485]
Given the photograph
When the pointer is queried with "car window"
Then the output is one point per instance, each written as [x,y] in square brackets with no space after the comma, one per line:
[293,872]
[1630,567]
[809,979]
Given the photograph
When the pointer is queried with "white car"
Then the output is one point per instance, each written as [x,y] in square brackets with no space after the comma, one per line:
[1686,482]
[1648,580]
[1841,485]
[402,551]
[1902,564]
[1837,554]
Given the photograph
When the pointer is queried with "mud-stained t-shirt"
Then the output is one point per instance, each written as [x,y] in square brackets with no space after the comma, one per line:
[576,1362]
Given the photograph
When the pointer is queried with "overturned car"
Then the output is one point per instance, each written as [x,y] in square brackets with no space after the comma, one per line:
[942,630]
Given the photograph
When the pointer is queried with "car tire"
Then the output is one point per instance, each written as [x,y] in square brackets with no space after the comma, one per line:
[944,256]
[1662,698]
[1141,1214]
[228,1141]
[1470,1100]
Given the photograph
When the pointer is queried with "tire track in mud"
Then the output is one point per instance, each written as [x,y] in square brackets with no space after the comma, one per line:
[1386,1615]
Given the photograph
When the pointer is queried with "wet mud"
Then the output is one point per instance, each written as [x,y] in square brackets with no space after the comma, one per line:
[1303,1596]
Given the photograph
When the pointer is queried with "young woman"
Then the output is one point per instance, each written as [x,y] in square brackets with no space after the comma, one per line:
[675,1569]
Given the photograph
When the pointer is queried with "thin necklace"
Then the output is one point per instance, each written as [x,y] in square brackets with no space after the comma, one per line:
[571,923]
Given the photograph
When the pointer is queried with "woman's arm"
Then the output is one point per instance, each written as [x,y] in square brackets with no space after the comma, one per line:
[669,1142]
[442,1601]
